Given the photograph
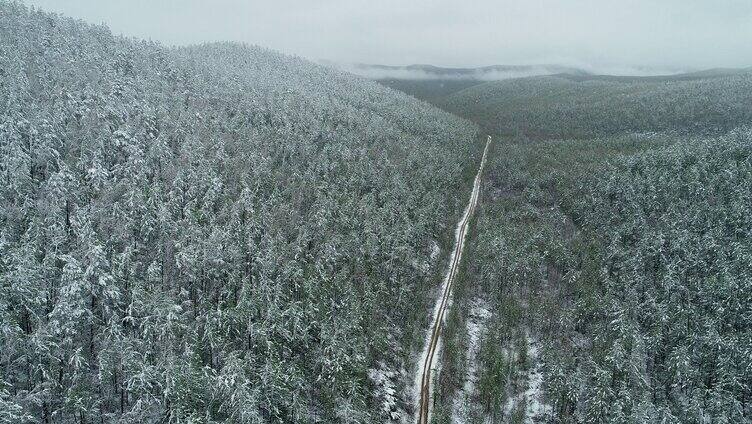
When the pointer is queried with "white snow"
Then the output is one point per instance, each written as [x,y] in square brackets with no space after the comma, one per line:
[435,250]
[534,393]
[536,409]
[425,265]
[476,324]
[457,250]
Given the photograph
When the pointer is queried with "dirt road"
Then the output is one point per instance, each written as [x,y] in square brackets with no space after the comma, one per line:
[433,338]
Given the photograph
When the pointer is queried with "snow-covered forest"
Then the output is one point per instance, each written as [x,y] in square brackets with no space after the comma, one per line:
[617,272]
[664,277]
[224,233]
[209,233]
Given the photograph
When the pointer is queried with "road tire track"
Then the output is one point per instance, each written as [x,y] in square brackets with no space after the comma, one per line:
[423,378]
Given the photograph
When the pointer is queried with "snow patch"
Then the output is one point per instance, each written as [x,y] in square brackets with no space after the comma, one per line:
[475,326]
[435,250]
[536,410]
[438,314]
[425,266]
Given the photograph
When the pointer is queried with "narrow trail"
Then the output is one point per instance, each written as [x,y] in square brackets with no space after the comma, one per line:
[433,338]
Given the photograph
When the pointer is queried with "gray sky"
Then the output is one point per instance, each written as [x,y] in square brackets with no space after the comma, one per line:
[610,35]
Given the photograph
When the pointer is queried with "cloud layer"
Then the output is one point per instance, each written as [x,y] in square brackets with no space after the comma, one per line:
[430,73]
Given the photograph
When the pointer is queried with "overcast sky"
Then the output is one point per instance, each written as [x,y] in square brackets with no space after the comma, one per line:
[660,34]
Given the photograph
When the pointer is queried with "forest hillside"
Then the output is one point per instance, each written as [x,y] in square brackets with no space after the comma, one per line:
[209,233]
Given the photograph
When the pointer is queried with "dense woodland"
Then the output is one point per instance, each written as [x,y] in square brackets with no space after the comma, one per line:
[222,233]
[433,91]
[665,288]
[613,242]
[629,260]
[211,233]
[612,251]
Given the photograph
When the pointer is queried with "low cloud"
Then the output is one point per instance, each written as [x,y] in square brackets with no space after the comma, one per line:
[495,73]
[425,72]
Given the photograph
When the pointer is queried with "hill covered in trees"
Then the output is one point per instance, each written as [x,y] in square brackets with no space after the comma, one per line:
[209,233]
[582,106]
[608,274]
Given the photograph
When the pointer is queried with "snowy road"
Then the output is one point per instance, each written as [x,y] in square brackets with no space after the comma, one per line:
[433,338]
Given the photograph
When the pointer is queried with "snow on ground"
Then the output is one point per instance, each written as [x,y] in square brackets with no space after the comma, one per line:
[386,380]
[435,250]
[438,313]
[536,409]
[426,265]
[476,325]
[436,365]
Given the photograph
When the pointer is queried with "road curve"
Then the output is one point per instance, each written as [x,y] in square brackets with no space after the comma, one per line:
[423,378]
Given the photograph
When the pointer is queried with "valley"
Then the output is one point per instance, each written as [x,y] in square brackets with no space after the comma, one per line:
[580,245]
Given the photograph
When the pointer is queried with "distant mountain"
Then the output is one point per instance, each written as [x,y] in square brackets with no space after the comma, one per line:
[682,76]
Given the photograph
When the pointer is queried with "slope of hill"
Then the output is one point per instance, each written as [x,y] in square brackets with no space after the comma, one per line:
[565,106]
[209,233]
[431,91]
